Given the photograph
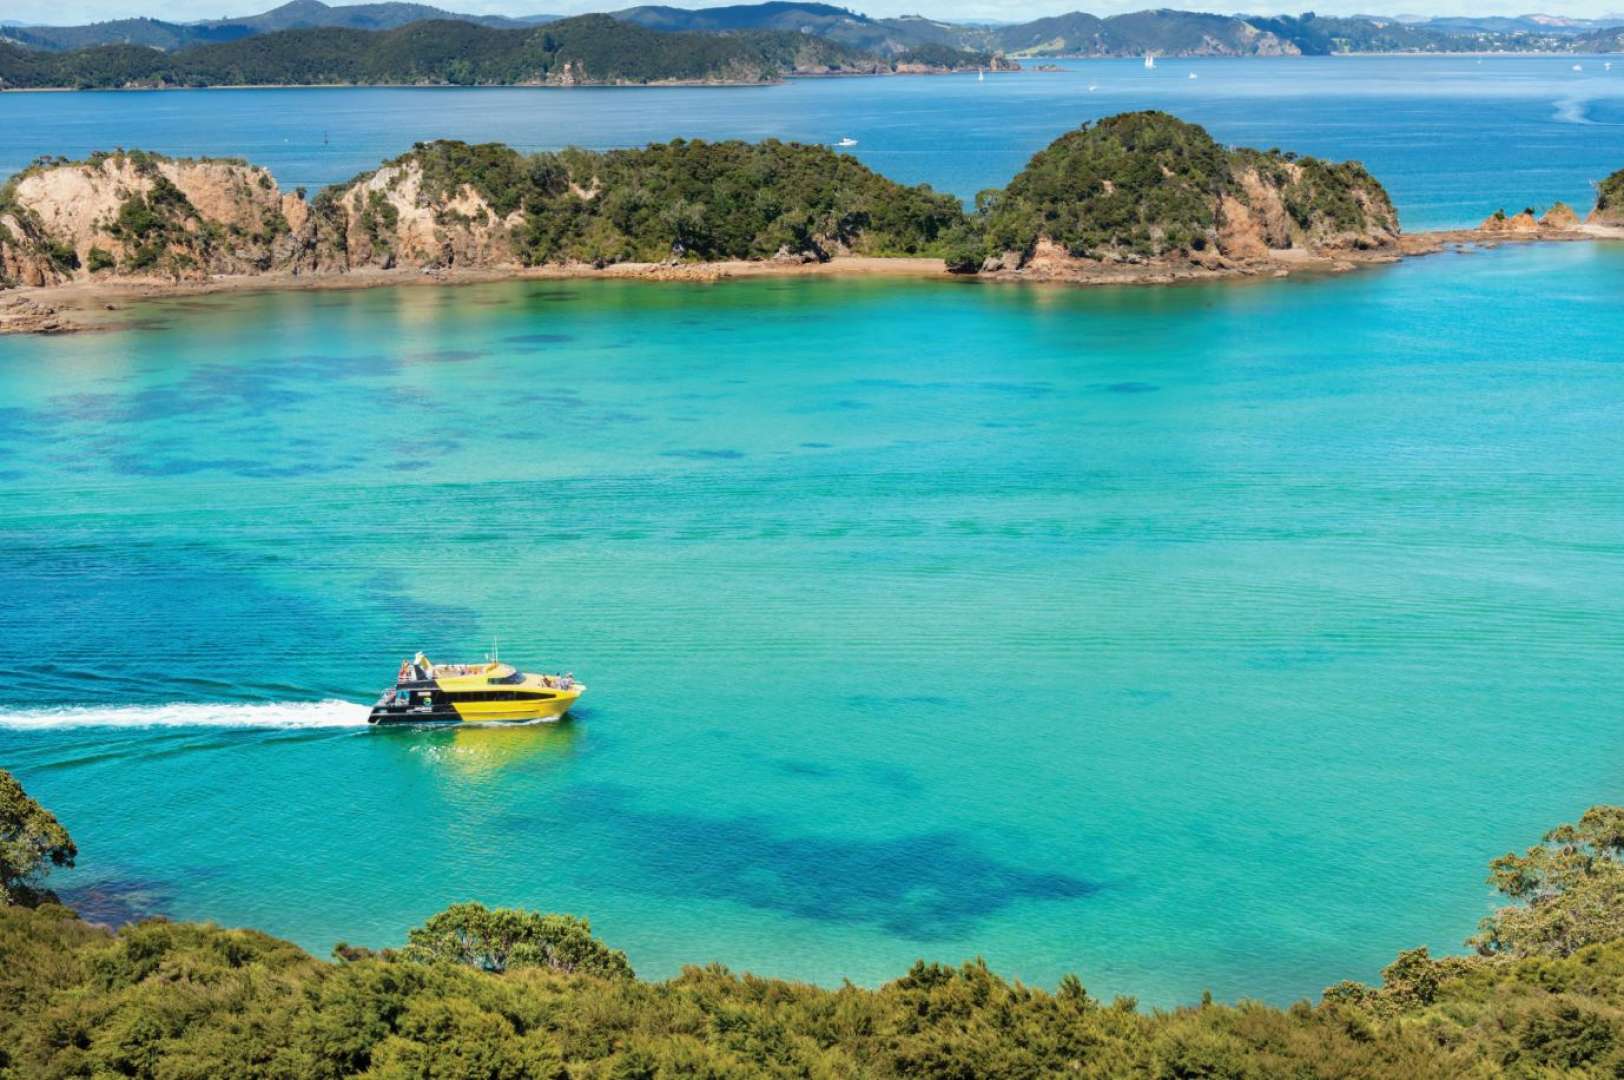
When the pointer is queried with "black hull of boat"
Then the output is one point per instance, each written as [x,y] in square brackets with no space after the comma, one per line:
[443,715]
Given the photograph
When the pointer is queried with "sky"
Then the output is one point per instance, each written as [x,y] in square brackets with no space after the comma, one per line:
[68,12]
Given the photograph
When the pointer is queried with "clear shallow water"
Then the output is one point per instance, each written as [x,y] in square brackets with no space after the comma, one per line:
[1207,637]
[1453,138]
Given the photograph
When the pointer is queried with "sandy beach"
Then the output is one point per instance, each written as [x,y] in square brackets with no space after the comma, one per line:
[102,304]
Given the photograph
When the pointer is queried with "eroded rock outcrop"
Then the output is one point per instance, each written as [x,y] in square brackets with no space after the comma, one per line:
[394,217]
[1559,216]
[142,216]
[1510,224]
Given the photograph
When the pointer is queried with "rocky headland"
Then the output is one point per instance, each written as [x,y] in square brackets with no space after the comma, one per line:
[1609,202]
[1140,198]
[1147,197]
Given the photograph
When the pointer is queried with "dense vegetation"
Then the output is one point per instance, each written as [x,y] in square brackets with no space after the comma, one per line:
[479,993]
[691,199]
[596,48]
[32,841]
[1141,185]
[1610,198]
[1127,189]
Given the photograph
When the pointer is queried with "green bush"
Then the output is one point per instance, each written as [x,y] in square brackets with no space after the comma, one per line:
[482,992]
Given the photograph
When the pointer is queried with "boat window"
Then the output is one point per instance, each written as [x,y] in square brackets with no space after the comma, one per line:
[464,696]
[512,677]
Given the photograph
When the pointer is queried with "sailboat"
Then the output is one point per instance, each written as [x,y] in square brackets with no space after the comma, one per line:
[981,75]
[1150,61]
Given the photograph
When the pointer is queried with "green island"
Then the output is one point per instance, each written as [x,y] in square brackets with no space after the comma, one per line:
[1130,192]
[1147,185]
[588,49]
[476,992]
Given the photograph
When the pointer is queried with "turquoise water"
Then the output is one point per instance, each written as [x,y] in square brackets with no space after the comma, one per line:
[1199,637]
[1453,138]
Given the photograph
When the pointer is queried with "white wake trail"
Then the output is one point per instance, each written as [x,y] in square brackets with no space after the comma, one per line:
[292,714]
[1573,110]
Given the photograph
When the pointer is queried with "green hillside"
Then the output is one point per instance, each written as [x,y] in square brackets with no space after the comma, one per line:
[693,200]
[595,47]
[1142,185]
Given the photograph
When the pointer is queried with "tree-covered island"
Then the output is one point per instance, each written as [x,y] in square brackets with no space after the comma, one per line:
[1141,190]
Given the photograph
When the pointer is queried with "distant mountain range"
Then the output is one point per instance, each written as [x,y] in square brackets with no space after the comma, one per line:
[1162,31]
[295,15]
[582,50]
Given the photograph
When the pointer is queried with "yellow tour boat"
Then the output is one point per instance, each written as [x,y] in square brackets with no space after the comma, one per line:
[427,693]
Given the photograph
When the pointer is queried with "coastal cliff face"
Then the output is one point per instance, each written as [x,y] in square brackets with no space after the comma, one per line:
[444,205]
[141,216]
[393,217]
[1148,190]
[1609,201]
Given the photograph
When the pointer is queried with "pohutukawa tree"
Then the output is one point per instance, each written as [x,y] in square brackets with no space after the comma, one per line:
[32,842]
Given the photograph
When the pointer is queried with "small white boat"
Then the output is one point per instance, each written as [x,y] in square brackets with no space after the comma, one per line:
[1578,67]
[1192,74]
[981,75]
[1150,61]
[1093,87]
[847,142]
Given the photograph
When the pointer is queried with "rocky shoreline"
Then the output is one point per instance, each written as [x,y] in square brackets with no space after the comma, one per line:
[80,306]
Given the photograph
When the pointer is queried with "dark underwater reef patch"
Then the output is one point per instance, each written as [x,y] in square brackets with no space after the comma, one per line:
[704,455]
[444,356]
[920,886]
[118,901]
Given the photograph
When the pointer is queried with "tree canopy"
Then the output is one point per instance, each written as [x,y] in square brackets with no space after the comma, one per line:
[32,841]
[1610,197]
[1145,184]
[504,939]
[691,199]
[1568,890]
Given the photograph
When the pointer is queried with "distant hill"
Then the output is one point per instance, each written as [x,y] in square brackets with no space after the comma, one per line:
[295,15]
[587,49]
[885,37]
[1163,31]
[1514,24]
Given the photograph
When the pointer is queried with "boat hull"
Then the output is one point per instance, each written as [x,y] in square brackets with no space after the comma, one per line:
[475,712]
